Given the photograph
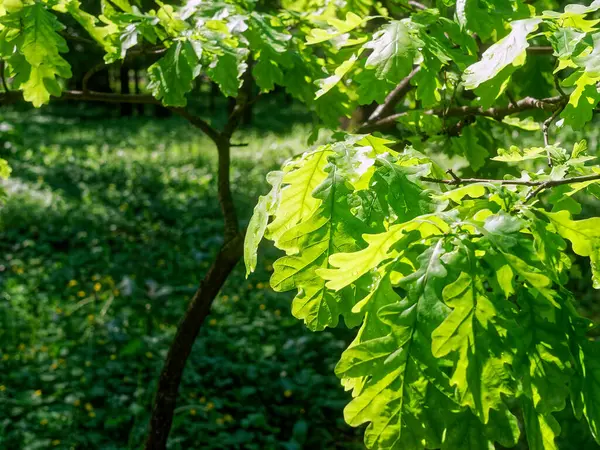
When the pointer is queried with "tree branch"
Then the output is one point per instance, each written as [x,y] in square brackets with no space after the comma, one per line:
[540,185]
[165,400]
[2,77]
[181,347]
[110,97]
[393,98]
[546,128]
[527,103]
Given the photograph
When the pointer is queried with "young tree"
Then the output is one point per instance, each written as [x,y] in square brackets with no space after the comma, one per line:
[460,284]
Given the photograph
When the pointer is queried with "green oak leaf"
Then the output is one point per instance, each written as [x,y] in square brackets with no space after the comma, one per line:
[264,208]
[394,48]
[480,376]
[297,202]
[467,144]
[172,75]
[584,236]
[505,52]
[330,229]
[38,64]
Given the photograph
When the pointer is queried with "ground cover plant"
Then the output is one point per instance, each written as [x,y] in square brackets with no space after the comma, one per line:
[453,249]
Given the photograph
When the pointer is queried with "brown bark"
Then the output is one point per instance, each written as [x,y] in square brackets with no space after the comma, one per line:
[198,309]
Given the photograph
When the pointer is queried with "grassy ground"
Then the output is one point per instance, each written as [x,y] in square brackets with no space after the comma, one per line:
[108,228]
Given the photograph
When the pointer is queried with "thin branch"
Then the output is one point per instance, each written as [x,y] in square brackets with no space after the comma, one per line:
[527,103]
[558,86]
[90,73]
[417,5]
[2,77]
[110,97]
[540,185]
[196,121]
[540,50]
[546,128]
[165,400]
[394,97]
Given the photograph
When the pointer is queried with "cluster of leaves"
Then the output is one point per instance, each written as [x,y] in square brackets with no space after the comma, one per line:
[217,39]
[460,292]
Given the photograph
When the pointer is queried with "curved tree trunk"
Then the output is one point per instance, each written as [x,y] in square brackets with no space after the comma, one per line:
[198,310]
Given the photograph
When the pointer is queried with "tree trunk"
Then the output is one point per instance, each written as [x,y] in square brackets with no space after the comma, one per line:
[172,372]
[199,307]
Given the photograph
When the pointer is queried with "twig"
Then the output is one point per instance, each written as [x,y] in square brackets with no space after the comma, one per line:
[394,97]
[540,50]
[110,97]
[94,70]
[546,128]
[4,84]
[558,86]
[417,5]
[540,185]
[527,103]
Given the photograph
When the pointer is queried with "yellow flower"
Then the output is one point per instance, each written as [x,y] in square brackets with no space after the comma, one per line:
[113,357]
[236,298]
[92,414]
[220,421]
[225,298]
[59,310]
[53,366]
[76,402]
[38,393]
[209,406]
[262,307]
[72,283]
[89,407]
[5,356]
[2,388]
[277,313]
[287,393]
[90,317]
[193,412]
[55,442]
[44,422]
[81,294]
[19,271]
[21,347]
[202,399]
[228,418]
[97,287]
[260,285]
[116,292]
[250,286]
[212,322]
[149,355]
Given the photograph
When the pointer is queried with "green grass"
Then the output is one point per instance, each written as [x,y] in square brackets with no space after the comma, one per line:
[108,228]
